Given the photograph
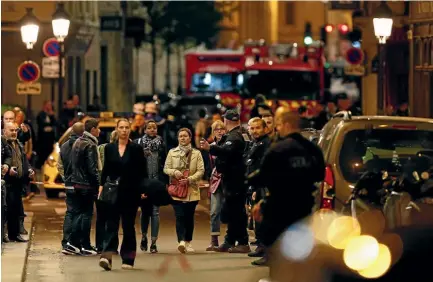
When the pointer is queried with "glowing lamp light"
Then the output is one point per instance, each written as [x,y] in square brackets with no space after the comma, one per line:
[361,252]
[29,29]
[308,40]
[342,230]
[380,266]
[343,28]
[382,22]
[329,28]
[60,23]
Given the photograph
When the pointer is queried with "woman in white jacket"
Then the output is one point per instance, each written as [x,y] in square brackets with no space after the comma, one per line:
[180,159]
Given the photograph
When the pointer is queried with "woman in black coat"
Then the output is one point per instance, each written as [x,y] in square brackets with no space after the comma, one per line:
[125,162]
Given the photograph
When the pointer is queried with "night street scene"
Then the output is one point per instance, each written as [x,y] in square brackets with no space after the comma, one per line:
[209,141]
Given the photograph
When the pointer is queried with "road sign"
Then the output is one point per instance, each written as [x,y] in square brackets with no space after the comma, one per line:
[355,70]
[354,56]
[29,88]
[111,23]
[50,67]
[29,71]
[51,47]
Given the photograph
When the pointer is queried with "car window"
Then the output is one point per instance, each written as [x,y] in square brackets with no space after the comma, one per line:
[383,149]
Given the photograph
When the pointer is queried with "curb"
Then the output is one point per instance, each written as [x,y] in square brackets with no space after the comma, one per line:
[15,255]
[29,243]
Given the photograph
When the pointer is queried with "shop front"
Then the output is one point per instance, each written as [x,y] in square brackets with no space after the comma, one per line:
[421,59]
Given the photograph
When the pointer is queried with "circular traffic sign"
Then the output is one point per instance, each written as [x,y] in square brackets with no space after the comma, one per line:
[29,71]
[354,56]
[51,47]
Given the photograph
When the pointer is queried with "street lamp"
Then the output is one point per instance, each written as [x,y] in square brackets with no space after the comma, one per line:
[60,24]
[29,28]
[382,23]
[29,35]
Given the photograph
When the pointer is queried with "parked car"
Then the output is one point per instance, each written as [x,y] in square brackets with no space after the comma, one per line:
[354,145]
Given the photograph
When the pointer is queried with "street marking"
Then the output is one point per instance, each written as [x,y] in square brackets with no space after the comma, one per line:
[183,262]
[38,204]
[60,211]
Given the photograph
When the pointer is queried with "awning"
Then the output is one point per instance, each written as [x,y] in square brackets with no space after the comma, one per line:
[79,39]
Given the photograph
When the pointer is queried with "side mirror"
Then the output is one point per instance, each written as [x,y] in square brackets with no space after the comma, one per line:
[330,192]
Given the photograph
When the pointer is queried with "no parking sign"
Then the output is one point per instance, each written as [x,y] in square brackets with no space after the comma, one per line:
[51,47]
[29,71]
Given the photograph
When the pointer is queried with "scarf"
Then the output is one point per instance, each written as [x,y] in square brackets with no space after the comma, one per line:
[153,144]
[185,150]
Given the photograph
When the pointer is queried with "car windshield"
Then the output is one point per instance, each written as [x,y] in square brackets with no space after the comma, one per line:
[384,149]
[282,84]
[104,135]
[214,82]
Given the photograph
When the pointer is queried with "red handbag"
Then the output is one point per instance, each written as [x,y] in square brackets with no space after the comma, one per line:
[177,189]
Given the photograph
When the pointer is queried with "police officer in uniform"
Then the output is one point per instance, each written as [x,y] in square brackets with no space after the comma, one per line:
[230,163]
[260,144]
[289,170]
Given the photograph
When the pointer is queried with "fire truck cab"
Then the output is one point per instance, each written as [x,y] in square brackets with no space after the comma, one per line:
[286,74]
[216,72]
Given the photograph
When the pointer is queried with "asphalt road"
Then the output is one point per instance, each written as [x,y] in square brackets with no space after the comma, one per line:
[47,263]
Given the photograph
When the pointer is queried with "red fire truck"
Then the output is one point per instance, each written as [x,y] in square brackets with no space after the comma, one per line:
[286,74]
[215,72]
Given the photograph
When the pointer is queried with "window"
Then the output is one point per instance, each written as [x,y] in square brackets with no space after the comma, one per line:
[426,44]
[104,75]
[393,150]
[418,52]
[289,12]
[214,82]
[78,79]
[282,84]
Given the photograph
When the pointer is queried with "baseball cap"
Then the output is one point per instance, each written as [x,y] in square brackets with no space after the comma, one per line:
[232,115]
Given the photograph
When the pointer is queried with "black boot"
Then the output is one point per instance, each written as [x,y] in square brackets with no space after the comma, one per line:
[23,231]
[144,244]
[153,248]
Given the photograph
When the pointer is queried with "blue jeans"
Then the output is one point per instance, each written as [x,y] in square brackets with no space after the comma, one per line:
[215,211]
[150,214]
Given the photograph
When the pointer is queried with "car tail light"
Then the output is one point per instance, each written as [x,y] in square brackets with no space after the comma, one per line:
[327,201]
[402,126]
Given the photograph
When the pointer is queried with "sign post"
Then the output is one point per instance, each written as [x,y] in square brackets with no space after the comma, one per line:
[29,73]
[355,57]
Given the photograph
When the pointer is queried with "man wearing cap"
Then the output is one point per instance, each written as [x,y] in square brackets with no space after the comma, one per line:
[229,162]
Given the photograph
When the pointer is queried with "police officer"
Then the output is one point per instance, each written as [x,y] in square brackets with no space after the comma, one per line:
[230,163]
[289,170]
[260,143]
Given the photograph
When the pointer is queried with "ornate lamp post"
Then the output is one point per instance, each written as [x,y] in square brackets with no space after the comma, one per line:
[382,23]
[29,36]
[61,24]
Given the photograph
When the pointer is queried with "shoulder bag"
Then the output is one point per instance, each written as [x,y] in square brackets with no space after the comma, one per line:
[177,189]
[110,191]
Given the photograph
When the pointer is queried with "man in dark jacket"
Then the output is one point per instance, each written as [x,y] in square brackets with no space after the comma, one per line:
[23,132]
[64,165]
[253,160]
[85,180]
[289,170]
[19,173]
[230,163]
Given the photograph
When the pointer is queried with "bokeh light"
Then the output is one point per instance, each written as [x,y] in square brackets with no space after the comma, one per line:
[320,222]
[341,230]
[297,242]
[380,266]
[372,223]
[394,244]
[361,252]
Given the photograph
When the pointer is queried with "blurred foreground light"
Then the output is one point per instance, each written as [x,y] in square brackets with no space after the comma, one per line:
[297,242]
[361,252]
[308,40]
[320,222]
[394,244]
[380,266]
[341,230]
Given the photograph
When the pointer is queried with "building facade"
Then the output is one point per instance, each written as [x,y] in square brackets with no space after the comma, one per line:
[81,52]
[421,59]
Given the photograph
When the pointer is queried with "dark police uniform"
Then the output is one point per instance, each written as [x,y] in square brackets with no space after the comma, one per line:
[253,161]
[289,170]
[230,163]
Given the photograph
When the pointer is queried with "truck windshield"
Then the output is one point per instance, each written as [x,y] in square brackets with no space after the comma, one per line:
[214,82]
[282,84]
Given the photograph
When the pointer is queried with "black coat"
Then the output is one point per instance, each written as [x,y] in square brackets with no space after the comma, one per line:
[66,157]
[130,170]
[84,160]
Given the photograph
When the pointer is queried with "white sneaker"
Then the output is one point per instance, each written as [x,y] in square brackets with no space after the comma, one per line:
[127,266]
[105,264]
[189,248]
[181,247]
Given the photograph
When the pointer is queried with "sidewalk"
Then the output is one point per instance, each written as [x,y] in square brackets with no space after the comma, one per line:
[14,255]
